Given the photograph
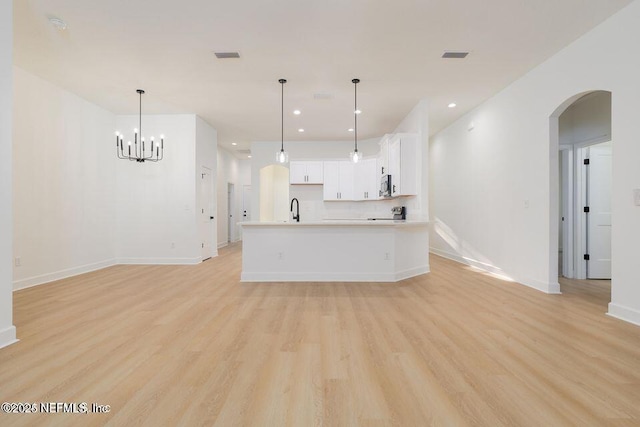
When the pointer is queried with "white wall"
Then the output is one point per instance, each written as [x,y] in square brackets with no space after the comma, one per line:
[237,172]
[7,330]
[494,192]
[64,182]
[156,202]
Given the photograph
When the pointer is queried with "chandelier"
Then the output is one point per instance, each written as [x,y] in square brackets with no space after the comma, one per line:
[139,151]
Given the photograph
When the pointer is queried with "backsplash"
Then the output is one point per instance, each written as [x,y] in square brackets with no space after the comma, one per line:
[314,208]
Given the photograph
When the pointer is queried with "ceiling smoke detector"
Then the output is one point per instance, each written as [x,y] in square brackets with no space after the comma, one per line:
[58,23]
[227,55]
[455,55]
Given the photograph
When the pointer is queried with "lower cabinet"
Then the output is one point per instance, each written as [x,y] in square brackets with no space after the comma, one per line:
[338,180]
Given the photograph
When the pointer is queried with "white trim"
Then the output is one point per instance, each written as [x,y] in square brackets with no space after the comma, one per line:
[222,245]
[626,314]
[8,336]
[160,261]
[62,274]
[412,272]
[547,288]
[332,277]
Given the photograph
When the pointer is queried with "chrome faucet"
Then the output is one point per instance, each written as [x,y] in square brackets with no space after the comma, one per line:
[296,217]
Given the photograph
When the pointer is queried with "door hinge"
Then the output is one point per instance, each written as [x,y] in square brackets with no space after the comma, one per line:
[586,257]
[586,209]
[585,161]
[203,245]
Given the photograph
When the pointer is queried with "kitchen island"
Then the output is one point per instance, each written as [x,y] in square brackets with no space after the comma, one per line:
[334,251]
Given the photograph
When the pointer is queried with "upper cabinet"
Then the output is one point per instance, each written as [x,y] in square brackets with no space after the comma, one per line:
[367,180]
[338,180]
[403,164]
[383,156]
[305,172]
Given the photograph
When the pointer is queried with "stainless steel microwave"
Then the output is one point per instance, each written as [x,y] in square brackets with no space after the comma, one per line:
[385,186]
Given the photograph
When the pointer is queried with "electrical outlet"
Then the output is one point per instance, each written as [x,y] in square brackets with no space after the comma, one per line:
[280,255]
[386,256]
[18,261]
[636,196]
[173,245]
[526,203]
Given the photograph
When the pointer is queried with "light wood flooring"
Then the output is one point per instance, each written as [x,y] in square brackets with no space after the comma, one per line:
[190,345]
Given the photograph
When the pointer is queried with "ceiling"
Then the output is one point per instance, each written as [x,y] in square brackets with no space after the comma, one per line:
[112,47]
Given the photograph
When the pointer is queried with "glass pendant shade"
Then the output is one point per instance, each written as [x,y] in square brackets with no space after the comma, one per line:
[355,156]
[282,156]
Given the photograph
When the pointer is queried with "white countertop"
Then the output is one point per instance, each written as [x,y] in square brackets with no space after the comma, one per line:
[337,223]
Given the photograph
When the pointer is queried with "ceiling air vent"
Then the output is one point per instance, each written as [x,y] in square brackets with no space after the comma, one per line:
[456,55]
[225,55]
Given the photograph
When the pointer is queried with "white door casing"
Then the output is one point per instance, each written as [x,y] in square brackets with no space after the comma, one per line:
[206,211]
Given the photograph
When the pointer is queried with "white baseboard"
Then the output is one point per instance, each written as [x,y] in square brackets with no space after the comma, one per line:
[222,245]
[62,274]
[412,272]
[8,336]
[548,288]
[159,261]
[627,314]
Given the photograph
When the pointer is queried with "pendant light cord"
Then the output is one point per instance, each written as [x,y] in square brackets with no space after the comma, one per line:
[282,82]
[355,114]
[282,116]
[355,109]
[140,116]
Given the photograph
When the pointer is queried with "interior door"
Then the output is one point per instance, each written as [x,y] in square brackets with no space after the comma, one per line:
[599,217]
[231,235]
[206,211]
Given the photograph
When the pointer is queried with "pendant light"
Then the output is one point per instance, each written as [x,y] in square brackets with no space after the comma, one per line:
[282,156]
[138,151]
[355,155]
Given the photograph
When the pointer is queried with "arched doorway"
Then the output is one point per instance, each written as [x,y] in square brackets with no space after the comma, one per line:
[580,186]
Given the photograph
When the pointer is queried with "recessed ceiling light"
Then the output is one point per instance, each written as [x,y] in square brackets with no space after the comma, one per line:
[452,105]
[358,111]
[350,129]
[249,156]
[297,112]
[58,23]
[300,130]
[234,143]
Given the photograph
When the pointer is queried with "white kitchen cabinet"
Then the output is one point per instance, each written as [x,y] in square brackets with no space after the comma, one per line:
[338,180]
[383,158]
[305,172]
[367,180]
[403,164]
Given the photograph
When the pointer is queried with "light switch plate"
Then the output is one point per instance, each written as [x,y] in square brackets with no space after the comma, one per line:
[636,196]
